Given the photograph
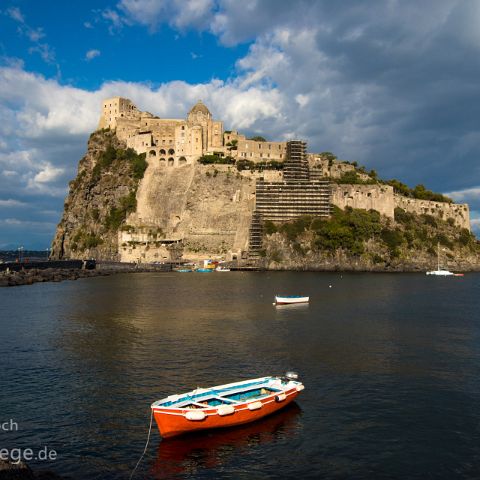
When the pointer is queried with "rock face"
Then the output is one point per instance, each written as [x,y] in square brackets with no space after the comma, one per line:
[356,240]
[102,192]
[209,208]
[112,214]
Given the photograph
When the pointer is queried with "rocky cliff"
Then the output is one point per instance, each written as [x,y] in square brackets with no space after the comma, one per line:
[360,240]
[100,197]
[122,207]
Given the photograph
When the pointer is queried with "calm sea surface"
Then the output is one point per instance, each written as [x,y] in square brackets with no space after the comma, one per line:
[390,362]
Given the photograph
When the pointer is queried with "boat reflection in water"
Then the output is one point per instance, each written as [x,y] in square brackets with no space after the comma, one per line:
[190,453]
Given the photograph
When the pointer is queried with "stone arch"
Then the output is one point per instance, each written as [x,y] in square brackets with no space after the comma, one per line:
[162,162]
[171,161]
[162,152]
[152,153]
[182,160]
[171,151]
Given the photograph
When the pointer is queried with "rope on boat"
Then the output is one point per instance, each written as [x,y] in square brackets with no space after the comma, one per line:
[146,446]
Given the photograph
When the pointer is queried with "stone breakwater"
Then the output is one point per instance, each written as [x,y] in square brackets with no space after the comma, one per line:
[33,275]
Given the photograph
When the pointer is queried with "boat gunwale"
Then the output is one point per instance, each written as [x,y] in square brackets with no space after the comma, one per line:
[213,392]
[210,411]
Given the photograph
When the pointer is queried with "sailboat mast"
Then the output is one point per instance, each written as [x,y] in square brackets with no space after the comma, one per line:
[438,255]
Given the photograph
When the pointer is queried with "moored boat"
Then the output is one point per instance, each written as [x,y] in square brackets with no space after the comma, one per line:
[290,299]
[204,270]
[441,272]
[222,269]
[225,405]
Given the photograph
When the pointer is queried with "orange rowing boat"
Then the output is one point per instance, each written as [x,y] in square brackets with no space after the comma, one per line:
[225,405]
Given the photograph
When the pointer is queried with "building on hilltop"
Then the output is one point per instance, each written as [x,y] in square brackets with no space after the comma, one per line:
[176,142]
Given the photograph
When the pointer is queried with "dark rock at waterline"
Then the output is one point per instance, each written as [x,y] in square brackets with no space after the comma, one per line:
[21,471]
[15,471]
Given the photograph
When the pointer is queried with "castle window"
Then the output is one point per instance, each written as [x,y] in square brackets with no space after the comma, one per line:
[162,152]
[170,162]
[171,151]
[260,146]
[183,127]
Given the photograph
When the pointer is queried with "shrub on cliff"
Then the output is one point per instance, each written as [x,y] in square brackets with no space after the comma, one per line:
[216,159]
[117,215]
[352,178]
[106,159]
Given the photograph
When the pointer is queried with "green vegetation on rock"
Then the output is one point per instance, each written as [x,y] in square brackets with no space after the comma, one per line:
[117,215]
[359,232]
[216,160]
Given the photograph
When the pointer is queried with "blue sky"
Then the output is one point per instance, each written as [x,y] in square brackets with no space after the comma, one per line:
[391,84]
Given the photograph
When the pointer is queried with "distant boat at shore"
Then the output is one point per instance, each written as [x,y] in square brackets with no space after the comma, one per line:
[222,269]
[440,272]
[290,299]
[204,270]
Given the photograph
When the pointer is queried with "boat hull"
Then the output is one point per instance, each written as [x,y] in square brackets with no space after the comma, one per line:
[290,300]
[172,423]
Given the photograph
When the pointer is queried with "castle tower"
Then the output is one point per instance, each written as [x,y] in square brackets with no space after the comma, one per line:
[116,107]
[199,114]
[212,131]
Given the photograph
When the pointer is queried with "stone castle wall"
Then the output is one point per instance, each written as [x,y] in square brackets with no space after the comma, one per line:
[458,212]
[376,197]
[384,200]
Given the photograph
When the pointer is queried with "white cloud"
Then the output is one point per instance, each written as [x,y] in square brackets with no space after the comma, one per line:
[468,194]
[35,34]
[16,14]
[48,174]
[180,14]
[91,54]
[27,223]
[11,203]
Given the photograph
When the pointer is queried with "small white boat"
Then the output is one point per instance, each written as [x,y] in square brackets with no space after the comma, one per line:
[290,299]
[440,272]
[222,269]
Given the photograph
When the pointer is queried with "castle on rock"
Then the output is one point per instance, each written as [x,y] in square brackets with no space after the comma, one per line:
[176,142]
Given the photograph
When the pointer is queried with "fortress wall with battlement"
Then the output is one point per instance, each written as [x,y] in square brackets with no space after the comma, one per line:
[376,197]
[384,200]
[458,212]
